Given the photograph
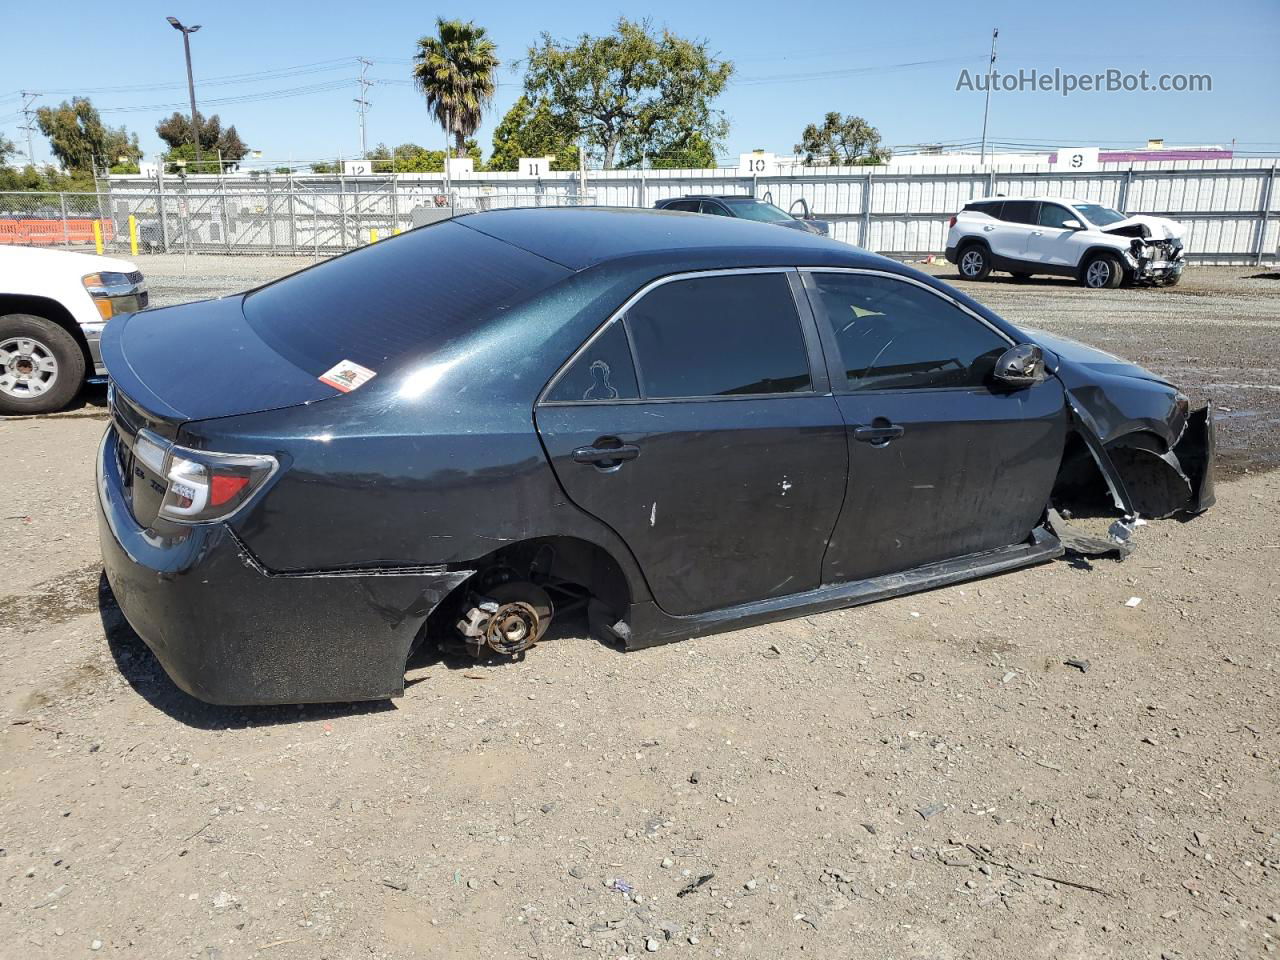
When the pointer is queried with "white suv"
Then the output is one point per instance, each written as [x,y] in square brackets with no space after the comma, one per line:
[1098,246]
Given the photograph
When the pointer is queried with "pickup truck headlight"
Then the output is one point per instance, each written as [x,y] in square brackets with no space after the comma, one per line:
[114,292]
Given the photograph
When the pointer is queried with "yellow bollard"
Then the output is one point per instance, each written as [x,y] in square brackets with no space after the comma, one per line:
[97,236]
[133,235]
[395,232]
[373,234]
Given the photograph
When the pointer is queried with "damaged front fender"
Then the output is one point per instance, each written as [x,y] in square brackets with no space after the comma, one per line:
[1141,479]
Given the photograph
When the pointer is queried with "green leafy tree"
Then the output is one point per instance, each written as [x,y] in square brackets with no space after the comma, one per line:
[634,93]
[175,130]
[79,139]
[45,178]
[7,149]
[841,140]
[692,150]
[533,131]
[455,70]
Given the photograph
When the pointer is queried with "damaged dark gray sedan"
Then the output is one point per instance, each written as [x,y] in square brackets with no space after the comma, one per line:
[675,424]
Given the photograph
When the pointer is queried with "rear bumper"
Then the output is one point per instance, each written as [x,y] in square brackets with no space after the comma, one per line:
[951,254]
[228,631]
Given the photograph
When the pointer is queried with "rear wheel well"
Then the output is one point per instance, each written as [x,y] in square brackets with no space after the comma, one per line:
[569,568]
[52,311]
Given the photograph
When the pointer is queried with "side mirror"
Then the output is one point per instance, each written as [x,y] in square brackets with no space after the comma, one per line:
[1072,224]
[1020,366]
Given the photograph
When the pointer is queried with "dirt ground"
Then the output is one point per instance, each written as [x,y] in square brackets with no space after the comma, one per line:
[925,778]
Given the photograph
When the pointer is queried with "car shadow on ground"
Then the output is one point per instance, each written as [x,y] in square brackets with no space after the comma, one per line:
[1005,278]
[89,404]
[139,667]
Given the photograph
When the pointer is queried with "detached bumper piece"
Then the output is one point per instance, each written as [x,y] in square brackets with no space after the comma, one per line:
[228,631]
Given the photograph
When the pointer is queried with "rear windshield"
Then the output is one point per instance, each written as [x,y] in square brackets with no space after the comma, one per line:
[403,296]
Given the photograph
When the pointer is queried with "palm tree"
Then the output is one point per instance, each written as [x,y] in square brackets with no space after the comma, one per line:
[455,71]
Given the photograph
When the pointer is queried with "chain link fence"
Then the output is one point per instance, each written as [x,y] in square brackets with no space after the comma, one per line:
[283,218]
[1230,209]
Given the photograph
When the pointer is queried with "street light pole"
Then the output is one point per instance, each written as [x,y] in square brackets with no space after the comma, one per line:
[191,83]
[991,69]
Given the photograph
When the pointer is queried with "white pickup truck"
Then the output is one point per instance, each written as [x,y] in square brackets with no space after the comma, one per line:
[53,306]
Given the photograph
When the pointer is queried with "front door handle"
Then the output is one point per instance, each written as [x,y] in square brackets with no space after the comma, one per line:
[1037,233]
[606,456]
[878,434]
[988,228]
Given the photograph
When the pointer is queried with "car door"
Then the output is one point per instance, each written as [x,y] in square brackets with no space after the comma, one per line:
[1051,242]
[1013,233]
[715,450]
[941,464]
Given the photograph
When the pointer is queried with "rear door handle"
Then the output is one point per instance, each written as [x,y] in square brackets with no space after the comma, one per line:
[1037,233]
[878,434]
[609,456]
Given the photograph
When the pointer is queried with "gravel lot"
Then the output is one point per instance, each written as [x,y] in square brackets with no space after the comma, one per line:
[923,778]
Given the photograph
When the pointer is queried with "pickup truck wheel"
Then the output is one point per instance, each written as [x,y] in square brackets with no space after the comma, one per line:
[974,262]
[1102,271]
[41,366]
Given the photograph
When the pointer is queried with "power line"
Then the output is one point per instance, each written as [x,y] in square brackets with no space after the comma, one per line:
[240,98]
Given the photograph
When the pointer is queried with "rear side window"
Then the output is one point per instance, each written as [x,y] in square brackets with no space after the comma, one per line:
[405,295]
[602,372]
[1019,211]
[720,336]
[687,206]
[990,207]
[894,335]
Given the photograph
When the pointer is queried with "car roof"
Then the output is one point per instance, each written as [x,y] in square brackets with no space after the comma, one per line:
[713,196]
[1073,201]
[583,237]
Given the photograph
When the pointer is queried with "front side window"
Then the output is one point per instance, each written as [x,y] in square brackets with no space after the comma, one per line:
[602,372]
[1052,215]
[894,335]
[713,208]
[761,210]
[731,335]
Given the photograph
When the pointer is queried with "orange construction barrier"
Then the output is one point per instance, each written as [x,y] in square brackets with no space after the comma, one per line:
[52,233]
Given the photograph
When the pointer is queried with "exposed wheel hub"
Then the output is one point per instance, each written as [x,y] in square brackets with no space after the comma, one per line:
[510,619]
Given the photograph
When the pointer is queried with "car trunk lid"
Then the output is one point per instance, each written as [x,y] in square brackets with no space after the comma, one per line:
[174,365]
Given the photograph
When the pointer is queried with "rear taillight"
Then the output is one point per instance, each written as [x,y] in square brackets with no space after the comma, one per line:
[202,486]
[952,223]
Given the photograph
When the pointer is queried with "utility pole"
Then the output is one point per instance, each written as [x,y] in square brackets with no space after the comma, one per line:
[191,83]
[28,122]
[362,104]
[991,69]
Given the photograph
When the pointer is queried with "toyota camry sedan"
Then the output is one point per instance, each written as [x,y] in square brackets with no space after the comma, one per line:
[662,424]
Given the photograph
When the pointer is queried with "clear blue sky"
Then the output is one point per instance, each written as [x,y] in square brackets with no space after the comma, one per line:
[795,61]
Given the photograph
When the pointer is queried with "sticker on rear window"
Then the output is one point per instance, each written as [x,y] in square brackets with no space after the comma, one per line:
[347,375]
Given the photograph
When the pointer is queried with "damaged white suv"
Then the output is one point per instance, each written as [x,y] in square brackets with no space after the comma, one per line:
[1098,246]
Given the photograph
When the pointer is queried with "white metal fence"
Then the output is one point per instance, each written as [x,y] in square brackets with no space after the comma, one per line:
[1231,208]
